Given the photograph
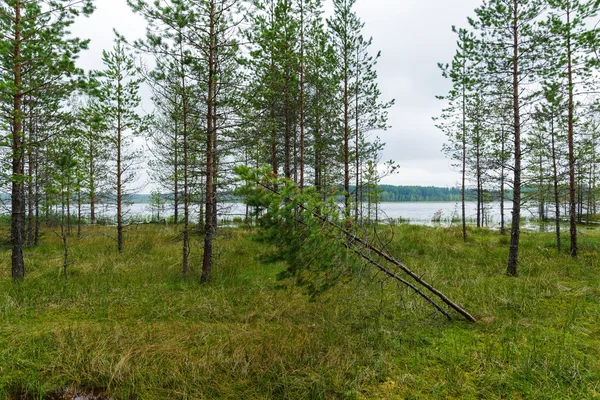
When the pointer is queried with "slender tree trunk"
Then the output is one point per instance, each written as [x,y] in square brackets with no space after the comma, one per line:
[478,171]
[92,180]
[78,207]
[346,145]
[302,116]
[274,158]
[556,190]
[502,178]
[540,189]
[515,232]
[295,154]
[464,154]
[210,161]
[36,236]
[176,174]
[572,217]
[63,234]
[47,206]
[186,213]
[30,168]
[356,139]
[318,141]
[17,192]
[68,202]
[287,148]
[579,191]
[589,198]
[119,177]
[346,133]
[215,153]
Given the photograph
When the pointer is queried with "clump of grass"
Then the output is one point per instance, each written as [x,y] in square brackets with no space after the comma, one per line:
[128,326]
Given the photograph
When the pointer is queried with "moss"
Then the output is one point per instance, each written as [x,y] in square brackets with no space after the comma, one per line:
[128,326]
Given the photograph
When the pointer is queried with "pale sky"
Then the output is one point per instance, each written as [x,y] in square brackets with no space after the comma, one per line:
[413,36]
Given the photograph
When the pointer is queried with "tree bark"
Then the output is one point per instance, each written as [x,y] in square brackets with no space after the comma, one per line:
[210,156]
[572,216]
[30,168]
[464,152]
[17,192]
[357,138]
[556,190]
[176,174]
[78,207]
[502,183]
[346,67]
[36,236]
[119,174]
[287,116]
[92,179]
[515,232]
[302,116]
[478,172]
[186,209]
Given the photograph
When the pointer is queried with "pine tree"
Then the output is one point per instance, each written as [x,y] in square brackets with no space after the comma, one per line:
[322,108]
[369,112]
[569,38]
[37,57]
[345,27]
[118,102]
[509,46]
[461,72]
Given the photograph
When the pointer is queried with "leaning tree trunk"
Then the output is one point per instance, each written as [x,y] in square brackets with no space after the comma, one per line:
[351,239]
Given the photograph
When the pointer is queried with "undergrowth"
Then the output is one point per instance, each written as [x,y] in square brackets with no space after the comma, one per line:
[127,326]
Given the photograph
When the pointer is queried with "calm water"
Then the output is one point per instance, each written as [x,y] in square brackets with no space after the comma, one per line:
[414,212]
[420,213]
[425,211]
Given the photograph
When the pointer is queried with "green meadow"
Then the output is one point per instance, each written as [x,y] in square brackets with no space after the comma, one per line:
[127,326]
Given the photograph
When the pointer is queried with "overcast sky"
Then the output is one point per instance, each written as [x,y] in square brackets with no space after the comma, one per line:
[413,36]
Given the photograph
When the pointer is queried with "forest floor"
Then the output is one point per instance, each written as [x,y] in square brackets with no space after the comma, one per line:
[127,326]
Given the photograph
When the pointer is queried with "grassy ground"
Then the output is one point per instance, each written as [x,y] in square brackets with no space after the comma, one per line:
[128,327]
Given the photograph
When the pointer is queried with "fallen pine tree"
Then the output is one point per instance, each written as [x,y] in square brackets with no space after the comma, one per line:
[312,233]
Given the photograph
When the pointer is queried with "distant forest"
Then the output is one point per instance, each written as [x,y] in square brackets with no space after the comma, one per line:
[418,193]
[434,193]
[387,193]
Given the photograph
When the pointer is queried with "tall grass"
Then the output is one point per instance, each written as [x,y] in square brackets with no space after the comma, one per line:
[127,325]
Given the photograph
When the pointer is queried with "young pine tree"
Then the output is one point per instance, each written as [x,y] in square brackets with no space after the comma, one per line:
[118,102]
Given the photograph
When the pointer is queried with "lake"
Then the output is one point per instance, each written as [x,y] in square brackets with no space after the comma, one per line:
[412,212]
[418,213]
